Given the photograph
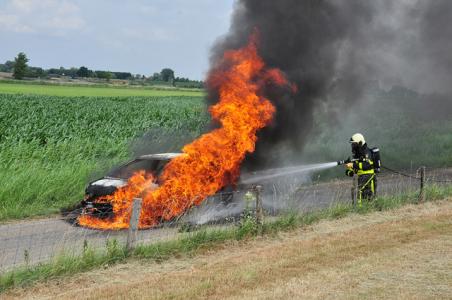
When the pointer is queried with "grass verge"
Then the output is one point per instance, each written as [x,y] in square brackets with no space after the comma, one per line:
[192,243]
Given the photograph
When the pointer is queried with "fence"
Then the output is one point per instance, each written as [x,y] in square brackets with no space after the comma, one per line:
[31,242]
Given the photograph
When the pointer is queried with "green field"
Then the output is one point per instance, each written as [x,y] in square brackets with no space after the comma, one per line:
[93,91]
[51,146]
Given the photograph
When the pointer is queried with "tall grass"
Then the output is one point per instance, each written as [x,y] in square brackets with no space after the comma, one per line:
[50,147]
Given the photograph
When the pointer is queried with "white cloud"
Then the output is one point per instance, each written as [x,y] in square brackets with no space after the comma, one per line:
[10,23]
[51,17]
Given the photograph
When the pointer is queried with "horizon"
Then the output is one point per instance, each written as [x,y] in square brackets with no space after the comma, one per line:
[137,37]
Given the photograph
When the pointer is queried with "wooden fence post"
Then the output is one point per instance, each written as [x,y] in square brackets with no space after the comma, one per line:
[259,208]
[133,224]
[422,185]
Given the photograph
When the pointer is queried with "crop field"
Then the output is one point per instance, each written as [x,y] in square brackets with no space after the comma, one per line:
[51,146]
[53,142]
[93,91]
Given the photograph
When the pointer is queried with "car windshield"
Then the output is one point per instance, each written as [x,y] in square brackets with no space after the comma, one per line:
[154,166]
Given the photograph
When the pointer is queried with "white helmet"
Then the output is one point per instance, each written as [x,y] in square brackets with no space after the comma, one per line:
[357,138]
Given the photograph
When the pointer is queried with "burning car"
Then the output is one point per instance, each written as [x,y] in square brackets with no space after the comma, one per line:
[118,178]
[209,163]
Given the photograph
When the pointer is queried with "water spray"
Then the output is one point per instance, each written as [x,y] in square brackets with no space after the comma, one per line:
[273,173]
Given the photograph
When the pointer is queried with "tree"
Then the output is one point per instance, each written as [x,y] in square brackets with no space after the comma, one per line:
[155,77]
[122,75]
[54,71]
[167,75]
[35,72]
[8,66]
[20,66]
[104,75]
[83,72]
[72,72]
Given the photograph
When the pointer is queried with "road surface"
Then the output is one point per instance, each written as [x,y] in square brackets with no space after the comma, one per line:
[31,242]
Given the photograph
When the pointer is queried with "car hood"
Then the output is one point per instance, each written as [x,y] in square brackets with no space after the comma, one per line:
[107,182]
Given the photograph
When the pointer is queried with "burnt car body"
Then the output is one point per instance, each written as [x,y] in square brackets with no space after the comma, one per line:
[118,177]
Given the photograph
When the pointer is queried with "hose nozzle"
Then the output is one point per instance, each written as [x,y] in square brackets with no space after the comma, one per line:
[343,162]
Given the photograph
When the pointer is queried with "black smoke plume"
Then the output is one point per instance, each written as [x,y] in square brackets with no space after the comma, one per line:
[334,51]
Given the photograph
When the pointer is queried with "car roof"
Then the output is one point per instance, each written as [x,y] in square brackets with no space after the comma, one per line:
[160,156]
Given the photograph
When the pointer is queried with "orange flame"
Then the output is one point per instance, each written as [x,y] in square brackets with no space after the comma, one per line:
[212,161]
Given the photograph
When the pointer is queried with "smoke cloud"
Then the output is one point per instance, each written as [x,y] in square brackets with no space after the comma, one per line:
[335,51]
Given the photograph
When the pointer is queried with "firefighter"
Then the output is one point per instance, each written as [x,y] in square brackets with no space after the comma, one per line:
[364,166]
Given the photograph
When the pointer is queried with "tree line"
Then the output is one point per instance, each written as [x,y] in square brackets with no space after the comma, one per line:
[20,69]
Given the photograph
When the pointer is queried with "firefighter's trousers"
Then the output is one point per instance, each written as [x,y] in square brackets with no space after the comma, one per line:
[367,186]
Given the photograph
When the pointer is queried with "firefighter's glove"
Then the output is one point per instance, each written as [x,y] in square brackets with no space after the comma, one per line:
[349,166]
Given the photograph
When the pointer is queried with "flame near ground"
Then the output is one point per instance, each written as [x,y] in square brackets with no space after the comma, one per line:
[212,161]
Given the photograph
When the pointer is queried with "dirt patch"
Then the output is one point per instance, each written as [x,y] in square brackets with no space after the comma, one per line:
[397,254]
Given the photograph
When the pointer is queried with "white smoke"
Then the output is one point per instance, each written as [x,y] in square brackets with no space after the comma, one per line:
[264,176]
[279,188]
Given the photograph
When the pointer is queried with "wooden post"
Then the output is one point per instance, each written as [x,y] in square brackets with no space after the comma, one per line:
[133,224]
[422,184]
[259,209]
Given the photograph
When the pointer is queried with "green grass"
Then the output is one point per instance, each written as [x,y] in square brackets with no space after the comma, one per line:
[51,147]
[190,243]
[64,265]
[93,91]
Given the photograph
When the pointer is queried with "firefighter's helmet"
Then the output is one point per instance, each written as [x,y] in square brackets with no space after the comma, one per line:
[357,138]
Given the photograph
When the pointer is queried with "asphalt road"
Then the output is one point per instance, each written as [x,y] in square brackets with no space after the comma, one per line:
[31,242]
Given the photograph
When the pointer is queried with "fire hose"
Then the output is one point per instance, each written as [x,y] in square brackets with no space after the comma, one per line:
[414,177]
[349,160]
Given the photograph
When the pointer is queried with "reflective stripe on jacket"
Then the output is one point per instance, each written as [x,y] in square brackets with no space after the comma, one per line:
[364,167]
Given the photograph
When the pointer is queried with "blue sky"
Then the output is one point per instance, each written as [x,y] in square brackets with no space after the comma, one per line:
[137,36]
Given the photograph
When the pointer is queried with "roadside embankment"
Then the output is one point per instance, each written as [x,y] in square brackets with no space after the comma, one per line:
[400,253]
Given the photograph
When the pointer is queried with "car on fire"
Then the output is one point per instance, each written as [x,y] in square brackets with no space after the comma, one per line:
[118,178]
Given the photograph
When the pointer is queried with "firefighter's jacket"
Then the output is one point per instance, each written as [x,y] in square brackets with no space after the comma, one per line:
[363,166]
